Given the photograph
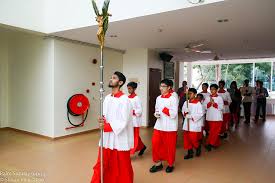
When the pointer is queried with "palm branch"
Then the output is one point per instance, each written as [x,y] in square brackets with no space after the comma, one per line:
[105,25]
[95,8]
[105,8]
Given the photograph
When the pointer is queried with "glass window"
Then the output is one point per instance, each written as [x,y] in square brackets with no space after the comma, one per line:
[185,72]
[236,72]
[203,74]
[273,77]
[263,73]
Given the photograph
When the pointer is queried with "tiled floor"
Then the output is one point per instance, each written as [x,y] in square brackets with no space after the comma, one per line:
[248,156]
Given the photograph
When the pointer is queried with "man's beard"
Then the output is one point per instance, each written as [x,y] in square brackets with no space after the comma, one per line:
[111,85]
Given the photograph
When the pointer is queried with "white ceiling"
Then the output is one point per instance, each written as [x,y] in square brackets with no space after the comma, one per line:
[250,31]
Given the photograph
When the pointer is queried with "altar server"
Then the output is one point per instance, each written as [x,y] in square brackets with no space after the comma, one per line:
[214,117]
[165,130]
[118,137]
[137,118]
[192,128]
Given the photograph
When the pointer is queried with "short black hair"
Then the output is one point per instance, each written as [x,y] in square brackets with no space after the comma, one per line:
[205,84]
[121,77]
[234,83]
[171,83]
[222,82]
[165,81]
[133,85]
[193,90]
[246,81]
[215,86]
[259,81]
[200,95]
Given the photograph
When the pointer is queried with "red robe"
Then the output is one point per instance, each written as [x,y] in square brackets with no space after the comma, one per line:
[226,113]
[138,144]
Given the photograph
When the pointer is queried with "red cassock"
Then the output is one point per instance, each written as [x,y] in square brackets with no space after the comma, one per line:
[138,144]
[191,139]
[214,131]
[164,146]
[117,167]
[226,111]
[137,120]
[225,122]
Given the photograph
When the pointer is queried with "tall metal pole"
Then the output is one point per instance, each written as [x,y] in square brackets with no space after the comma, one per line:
[187,106]
[103,20]
[101,111]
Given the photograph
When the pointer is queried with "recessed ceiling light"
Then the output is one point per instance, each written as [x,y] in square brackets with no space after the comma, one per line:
[222,20]
[160,30]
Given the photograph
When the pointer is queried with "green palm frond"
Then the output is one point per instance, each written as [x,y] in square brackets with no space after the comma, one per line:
[95,8]
[105,7]
[105,25]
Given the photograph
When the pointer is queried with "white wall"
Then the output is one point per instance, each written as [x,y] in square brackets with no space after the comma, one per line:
[3,78]
[31,83]
[39,75]
[135,66]
[74,73]
[27,14]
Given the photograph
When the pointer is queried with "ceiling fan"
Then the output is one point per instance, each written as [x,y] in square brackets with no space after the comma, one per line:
[218,57]
[188,49]
[196,48]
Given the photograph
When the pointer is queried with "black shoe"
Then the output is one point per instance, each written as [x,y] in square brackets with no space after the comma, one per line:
[155,168]
[189,154]
[198,151]
[264,120]
[261,116]
[224,136]
[141,152]
[169,169]
[208,147]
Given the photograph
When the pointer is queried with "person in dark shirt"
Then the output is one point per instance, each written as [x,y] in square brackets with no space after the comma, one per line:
[235,106]
[182,95]
[247,93]
[261,94]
